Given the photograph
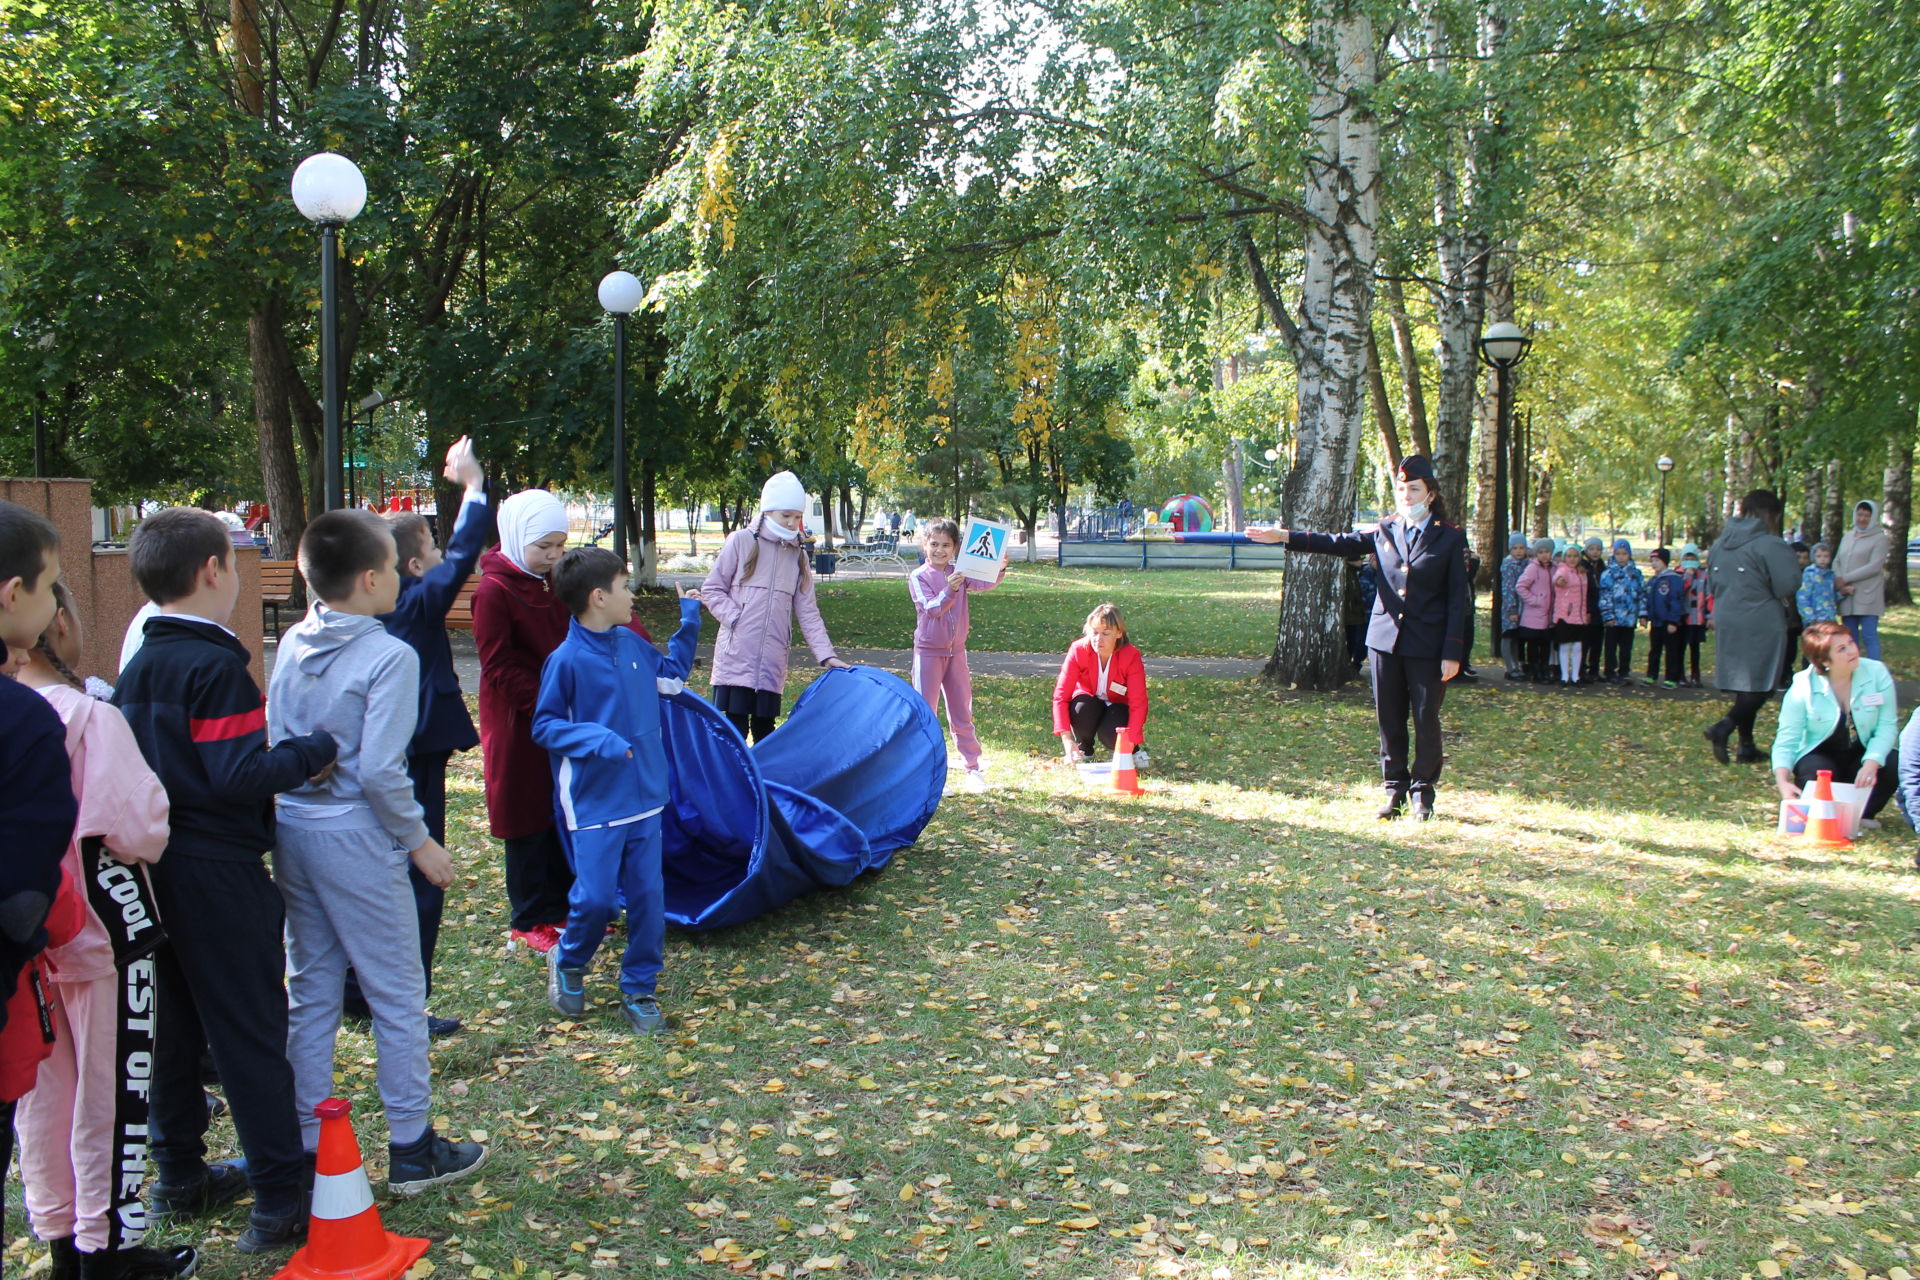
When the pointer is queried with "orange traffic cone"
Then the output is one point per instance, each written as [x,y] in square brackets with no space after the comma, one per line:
[1824,827]
[1126,780]
[345,1240]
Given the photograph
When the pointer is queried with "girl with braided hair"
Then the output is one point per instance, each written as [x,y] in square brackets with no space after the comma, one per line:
[86,1115]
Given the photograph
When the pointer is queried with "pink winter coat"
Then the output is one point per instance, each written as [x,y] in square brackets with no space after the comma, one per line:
[756,614]
[1535,590]
[1569,595]
[121,802]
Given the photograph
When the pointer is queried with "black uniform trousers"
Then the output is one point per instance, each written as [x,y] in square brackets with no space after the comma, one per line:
[429,773]
[1092,719]
[539,879]
[1403,685]
[219,985]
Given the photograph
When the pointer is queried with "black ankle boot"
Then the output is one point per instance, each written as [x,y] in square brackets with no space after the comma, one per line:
[140,1264]
[1717,734]
[64,1259]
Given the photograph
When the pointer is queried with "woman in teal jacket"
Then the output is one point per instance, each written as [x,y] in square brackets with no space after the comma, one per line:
[1838,715]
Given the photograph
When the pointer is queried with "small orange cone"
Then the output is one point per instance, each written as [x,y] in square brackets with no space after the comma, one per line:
[345,1240]
[1824,827]
[1126,780]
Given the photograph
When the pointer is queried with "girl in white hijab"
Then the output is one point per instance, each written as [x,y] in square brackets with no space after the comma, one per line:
[517,622]
[527,520]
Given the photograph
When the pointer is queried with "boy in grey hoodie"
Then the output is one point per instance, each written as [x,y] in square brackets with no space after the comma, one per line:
[344,844]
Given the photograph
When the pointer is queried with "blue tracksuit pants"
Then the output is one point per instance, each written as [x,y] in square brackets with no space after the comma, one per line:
[611,865]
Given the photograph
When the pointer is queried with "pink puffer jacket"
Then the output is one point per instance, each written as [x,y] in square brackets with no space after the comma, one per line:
[1570,595]
[756,613]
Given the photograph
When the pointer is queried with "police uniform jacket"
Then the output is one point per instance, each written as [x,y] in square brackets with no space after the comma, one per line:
[1422,599]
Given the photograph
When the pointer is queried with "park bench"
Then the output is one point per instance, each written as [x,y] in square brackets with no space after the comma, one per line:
[276,588]
[883,551]
[460,614]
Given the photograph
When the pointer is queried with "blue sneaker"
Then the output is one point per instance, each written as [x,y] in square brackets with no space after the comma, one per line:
[642,1013]
[566,988]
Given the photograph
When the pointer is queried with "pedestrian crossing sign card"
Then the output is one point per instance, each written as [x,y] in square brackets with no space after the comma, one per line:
[983,550]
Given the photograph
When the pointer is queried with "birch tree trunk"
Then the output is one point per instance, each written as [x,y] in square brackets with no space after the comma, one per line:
[1330,348]
[1813,488]
[1896,513]
[1542,501]
[1487,456]
[1837,516]
[1409,358]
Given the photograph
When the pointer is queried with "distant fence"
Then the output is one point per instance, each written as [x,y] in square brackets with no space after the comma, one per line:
[1157,554]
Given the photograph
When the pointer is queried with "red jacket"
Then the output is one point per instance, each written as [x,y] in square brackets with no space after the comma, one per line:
[1126,684]
[23,1046]
[517,622]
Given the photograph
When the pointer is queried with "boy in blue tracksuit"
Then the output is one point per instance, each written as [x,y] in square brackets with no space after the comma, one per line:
[598,716]
[1623,598]
[1666,616]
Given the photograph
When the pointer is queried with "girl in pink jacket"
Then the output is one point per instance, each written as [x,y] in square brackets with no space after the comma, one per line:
[1569,613]
[940,621]
[83,1128]
[1535,589]
[759,583]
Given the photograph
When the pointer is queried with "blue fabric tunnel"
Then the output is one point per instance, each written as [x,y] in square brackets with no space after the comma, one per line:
[854,772]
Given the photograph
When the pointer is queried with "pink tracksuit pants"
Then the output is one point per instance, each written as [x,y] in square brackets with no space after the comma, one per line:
[66,1123]
[935,674]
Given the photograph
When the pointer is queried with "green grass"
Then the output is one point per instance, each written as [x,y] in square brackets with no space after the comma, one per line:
[1039,608]
[1596,1021]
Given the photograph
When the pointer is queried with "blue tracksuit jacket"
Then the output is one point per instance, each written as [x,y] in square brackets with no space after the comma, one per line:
[598,716]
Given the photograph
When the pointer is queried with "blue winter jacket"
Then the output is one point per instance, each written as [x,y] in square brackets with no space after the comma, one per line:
[1510,571]
[1667,599]
[1623,594]
[1815,598]
[598,716]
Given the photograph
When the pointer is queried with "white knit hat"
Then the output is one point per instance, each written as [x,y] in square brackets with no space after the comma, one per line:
[783,492]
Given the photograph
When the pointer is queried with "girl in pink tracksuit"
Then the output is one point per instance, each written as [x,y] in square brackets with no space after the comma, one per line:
[1570,614]
[71,1157]
[940,638]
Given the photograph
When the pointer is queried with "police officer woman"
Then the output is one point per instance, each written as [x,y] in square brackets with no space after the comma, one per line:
[1417,634]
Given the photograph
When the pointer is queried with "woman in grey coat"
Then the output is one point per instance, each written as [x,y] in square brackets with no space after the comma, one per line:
[1859,576]
[1753,575]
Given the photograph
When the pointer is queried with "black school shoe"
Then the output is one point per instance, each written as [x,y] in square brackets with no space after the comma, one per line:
[268,1232]
[140,1264]
[1396,803]
[431,1162]
[220,1185]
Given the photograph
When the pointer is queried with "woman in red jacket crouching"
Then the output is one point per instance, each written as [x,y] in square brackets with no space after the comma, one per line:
[1102,689]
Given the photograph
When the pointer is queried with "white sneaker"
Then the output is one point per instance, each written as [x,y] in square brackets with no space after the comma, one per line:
[975,780]
[1869,824]
[1140,758]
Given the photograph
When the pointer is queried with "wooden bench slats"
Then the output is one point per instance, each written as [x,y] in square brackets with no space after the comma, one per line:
[276,590]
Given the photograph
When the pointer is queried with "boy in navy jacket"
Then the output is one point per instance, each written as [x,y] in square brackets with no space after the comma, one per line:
[430,582]
[202,725]
[1666,616]
[598,716]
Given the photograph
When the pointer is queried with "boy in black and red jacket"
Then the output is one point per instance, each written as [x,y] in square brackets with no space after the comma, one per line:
[201,723]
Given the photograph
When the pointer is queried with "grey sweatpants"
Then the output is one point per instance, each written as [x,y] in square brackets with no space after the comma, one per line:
[349,903]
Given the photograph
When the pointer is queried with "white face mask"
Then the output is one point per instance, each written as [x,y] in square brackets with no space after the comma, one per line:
[1413,512]
[779,530]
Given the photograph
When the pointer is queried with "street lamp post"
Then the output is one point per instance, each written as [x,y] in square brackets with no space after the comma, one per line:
[1665,464]
[621,294]
[330,191]
[1502,346]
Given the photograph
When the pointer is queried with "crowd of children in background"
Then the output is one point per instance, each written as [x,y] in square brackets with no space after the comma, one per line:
[1572,619]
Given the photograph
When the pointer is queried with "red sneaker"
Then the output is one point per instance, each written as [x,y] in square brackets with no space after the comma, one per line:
[541,939]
